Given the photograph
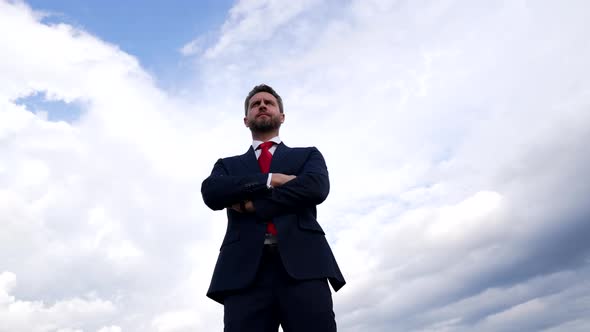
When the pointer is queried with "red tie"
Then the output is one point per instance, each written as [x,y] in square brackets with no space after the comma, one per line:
[264,163]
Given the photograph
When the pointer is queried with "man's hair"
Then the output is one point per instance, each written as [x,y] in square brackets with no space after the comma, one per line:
[263,88]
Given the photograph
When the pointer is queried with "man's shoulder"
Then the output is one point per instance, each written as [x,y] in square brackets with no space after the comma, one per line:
[302,154]
[233,158]
[238,156]
[301,149]
[304,150]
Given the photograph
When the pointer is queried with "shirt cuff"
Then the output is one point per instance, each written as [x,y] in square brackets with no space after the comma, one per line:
[268,181]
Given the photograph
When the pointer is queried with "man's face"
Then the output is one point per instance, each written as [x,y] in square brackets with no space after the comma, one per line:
[263,113]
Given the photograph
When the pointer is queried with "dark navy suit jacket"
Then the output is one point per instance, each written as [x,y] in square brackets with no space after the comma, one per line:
[292,208]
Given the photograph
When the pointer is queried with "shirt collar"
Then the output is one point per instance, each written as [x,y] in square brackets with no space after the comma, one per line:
[256,143]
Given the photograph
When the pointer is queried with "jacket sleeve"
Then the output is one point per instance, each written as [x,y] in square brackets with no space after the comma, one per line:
[308,189]
[221,190]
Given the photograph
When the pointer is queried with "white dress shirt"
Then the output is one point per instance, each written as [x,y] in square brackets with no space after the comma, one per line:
[272,149]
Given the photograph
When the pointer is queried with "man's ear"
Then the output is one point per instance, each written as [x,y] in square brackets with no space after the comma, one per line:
[246,122]
[282,117]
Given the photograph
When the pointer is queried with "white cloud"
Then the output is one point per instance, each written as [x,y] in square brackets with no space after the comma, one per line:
[448,129]
[79,211]
[192,48]
[176,321]
[454,133]
[19,315]
[110,329]
[253,21]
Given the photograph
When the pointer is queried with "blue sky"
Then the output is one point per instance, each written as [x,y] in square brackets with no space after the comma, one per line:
[454,133]
[53,110]
[152,31]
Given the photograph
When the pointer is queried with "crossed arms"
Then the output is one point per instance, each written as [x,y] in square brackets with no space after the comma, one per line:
[277,180]
[249,194]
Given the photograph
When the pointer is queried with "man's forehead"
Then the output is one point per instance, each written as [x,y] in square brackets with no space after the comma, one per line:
[262,95]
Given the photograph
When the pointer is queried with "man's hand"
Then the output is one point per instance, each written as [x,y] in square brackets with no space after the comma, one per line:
[279,179]
[244,207]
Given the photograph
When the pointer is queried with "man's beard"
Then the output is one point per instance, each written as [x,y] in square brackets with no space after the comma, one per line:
[265,125]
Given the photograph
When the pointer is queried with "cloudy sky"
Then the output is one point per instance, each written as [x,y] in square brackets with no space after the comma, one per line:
[455,133]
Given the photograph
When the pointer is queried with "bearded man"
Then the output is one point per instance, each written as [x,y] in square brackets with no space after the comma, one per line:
[275,263]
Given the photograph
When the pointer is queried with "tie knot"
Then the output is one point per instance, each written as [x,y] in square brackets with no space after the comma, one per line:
[266,145]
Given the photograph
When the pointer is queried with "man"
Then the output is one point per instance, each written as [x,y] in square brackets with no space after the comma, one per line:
[274,261]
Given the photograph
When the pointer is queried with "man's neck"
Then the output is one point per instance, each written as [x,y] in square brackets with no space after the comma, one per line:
[264,136]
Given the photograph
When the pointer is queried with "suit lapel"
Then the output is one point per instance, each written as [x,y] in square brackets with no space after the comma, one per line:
[279,158]
[250,162]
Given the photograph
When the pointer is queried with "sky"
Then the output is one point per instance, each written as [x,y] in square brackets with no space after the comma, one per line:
[454,132]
